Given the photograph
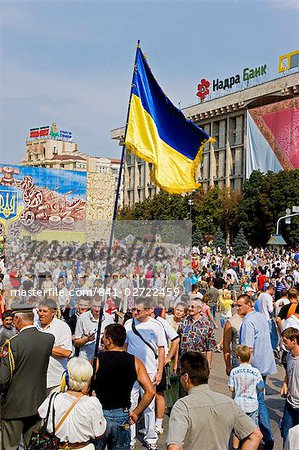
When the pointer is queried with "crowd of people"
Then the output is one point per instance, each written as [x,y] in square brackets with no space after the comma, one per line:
[125,338]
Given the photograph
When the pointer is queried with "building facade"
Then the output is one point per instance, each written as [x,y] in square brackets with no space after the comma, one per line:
[58,153]
[225,119]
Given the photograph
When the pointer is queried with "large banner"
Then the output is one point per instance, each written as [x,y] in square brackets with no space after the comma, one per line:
[34,199]
[273,137]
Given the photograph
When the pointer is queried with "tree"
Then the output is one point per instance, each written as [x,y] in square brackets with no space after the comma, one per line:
[219,240]
[197,237]
[240,245]
[227,215]
[265,199]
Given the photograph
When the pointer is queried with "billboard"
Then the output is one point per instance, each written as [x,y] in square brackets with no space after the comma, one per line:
[273,137]
[35,199]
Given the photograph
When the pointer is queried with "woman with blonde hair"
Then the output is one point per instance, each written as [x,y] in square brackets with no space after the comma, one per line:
[78,418]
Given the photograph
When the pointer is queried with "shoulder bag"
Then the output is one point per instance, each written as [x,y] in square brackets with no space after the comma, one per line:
[134,329]
[43,439]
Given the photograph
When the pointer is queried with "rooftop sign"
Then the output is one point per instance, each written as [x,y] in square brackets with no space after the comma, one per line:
[203,88]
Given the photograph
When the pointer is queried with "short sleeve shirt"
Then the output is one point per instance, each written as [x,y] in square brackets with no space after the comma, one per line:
[255,333]
[205,419]
[87,324]
[245,379]
[151,331]
[196,336]
[63,338]
[85,421]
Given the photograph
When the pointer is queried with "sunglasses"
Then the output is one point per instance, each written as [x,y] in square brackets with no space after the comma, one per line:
[139,310]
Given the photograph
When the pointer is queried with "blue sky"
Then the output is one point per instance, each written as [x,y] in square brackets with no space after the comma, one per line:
[71,62]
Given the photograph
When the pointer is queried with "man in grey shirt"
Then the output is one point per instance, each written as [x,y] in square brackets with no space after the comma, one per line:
[290,387]
[204,418]
[214,295]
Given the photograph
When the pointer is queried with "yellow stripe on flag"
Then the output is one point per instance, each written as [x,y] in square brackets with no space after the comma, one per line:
[173,171]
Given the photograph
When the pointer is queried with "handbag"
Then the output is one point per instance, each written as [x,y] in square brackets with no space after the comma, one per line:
[43,439]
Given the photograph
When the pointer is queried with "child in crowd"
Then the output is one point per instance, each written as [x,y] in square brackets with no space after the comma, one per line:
[225,311]
[244,381]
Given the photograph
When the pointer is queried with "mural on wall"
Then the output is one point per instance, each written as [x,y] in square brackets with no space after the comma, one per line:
[37,199]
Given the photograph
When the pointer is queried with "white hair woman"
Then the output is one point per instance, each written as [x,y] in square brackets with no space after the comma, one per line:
[78,418]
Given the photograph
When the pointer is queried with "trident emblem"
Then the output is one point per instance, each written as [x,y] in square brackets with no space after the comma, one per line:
[8,204]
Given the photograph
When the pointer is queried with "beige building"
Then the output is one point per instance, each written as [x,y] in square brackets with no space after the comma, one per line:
[57,153]
[224,118]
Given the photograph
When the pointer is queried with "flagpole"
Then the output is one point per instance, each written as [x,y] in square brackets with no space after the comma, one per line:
[114,218]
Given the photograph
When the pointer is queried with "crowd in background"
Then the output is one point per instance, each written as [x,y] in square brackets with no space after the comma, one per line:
[180,288]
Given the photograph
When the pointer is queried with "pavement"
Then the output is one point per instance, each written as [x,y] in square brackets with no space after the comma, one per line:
[218,382]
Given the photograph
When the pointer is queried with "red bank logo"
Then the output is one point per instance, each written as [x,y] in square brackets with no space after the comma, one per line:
[203,89]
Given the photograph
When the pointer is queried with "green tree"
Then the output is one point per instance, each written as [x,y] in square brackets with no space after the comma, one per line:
[219,240]
[240,245]
[197,237]
[265,199]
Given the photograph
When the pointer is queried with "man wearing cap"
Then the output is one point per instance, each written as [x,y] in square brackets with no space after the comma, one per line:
[23,373]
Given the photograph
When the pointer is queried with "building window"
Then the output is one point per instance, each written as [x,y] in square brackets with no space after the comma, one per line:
[221,164]
[131,178]
[237,155]
[222,134]
[237,130]
[206,128]
[215,134]
[206,166]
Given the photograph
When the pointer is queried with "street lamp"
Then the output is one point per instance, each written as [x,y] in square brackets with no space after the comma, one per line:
[190,203]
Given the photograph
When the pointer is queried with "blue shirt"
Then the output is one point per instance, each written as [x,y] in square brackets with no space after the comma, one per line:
[255,333]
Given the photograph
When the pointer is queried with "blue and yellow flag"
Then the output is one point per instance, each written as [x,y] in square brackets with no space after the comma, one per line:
[159,133]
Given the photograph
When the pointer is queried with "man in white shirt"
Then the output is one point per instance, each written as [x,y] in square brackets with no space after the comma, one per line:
[62,349]
[87,326]
[265,302]
[233,275]
[146,340]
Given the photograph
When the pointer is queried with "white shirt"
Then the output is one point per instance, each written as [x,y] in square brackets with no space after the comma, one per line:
[292,321]
[233,275]
[63,338]
[87,324]
[84,422]
[265,304]
[292,441]
[152,331]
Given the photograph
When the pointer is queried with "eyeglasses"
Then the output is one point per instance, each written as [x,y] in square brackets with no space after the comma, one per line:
[194,307]
[139,310]
[239,306]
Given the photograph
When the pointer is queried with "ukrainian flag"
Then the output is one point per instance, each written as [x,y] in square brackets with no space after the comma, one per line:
[159,133]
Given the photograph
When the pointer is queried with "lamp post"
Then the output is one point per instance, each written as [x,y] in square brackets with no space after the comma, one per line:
[190,203]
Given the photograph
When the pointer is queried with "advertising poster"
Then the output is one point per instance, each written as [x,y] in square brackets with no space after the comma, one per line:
[35,200]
